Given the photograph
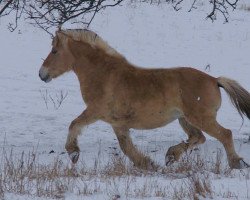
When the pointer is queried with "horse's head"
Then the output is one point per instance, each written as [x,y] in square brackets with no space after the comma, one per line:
[59,60]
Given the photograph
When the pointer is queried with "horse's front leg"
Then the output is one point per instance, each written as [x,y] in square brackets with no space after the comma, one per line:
[128,148]
[75,127]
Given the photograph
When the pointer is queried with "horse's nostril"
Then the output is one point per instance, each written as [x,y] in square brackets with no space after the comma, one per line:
[45,78]
[44,75]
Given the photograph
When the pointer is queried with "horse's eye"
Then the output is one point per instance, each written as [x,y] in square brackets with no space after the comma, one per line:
[54,51]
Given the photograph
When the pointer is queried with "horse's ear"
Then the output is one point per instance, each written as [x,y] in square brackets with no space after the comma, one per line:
[57,37]
[59,34]
[59,29]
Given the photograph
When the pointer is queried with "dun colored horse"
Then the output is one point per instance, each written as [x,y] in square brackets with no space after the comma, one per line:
[126,96]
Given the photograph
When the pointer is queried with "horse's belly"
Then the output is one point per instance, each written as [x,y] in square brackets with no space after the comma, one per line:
[148,114]
[144,120]
[155,120]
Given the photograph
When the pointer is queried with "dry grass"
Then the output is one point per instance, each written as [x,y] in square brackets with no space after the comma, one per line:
[195,163]
[196,186]
[245,7]
[23,174]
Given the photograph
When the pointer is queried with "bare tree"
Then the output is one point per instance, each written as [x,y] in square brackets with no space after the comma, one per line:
[221,6]
[46,14]
[53,13]
[217,6]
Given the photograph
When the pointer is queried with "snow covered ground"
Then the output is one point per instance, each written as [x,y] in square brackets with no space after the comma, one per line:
[149,36]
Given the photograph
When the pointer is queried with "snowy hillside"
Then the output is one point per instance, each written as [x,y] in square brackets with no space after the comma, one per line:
[33,122]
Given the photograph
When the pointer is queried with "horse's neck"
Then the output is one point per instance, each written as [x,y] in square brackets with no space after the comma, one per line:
[88,66]
[93,71]
[93,67]
[92,63]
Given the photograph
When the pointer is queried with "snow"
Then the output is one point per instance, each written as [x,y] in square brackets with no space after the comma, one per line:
[149,36]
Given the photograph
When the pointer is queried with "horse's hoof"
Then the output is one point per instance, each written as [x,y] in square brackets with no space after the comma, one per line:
[74,156]
[239,164]
[169,159]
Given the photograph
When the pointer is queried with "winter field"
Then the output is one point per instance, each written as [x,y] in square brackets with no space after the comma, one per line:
[35,116]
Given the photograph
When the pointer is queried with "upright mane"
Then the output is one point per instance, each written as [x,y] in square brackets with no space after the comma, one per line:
[92,38]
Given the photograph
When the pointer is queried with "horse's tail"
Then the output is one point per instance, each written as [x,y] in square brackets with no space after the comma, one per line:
[239,96]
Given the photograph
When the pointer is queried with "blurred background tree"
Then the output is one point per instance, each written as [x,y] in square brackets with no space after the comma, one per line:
[47,14]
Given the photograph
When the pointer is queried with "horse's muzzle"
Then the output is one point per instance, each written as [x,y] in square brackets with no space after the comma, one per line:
[44,75]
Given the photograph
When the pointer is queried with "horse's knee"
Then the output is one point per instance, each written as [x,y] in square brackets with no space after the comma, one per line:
[74,129]
[71,143]
[72,125]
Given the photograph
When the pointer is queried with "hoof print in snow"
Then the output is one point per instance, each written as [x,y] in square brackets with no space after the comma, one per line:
[196,149]
[117,196]
[52,151]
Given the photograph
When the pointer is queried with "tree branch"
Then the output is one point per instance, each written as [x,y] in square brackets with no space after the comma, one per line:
[47,14]
[5,7]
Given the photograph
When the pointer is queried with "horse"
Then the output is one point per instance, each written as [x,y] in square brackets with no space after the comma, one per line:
[130,97]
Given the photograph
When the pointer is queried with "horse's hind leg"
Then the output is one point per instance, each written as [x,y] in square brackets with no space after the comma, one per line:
[195,137]
[128,148]
[214,129]
[74,130]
